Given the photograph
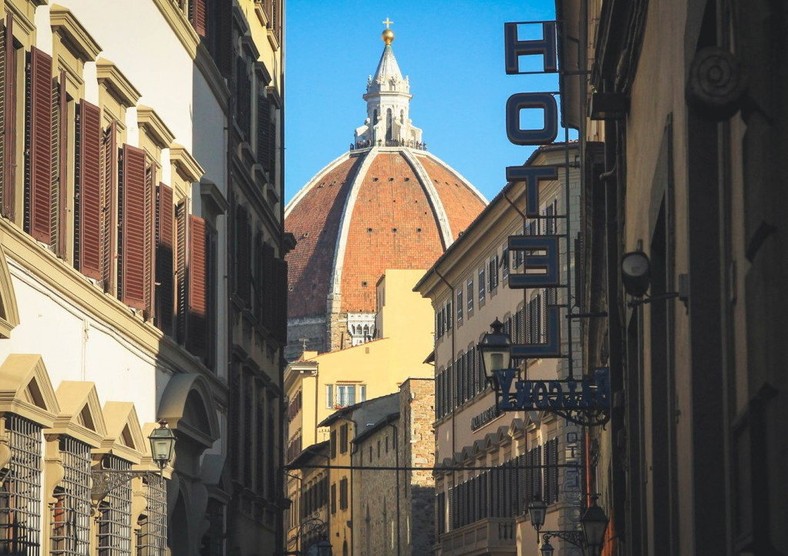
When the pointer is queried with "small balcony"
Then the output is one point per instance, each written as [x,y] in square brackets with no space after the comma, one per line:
[494,536]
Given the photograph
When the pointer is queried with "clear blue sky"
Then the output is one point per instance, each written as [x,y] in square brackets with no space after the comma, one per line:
[452,50]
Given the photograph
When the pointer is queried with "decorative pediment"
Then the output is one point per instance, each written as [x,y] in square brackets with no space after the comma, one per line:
[187,406]
[9,313]
[80,413]
[116,83]
[185,164]
[154,127]
[124,436]
[25,389]
[73,33]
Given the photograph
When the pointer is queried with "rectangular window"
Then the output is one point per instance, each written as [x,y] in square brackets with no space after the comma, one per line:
[505,264]
[493,271]
[343,395]
[448,316]
[333,444]
[330,396]
[343,438]
[469,289]
[333,498]
[343,494]
[482,283]
[459,307]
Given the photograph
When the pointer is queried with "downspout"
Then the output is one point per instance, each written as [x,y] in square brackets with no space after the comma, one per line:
[396,464]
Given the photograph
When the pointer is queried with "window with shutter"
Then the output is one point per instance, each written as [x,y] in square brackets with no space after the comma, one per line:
[165,287]
[133,216]
[87,191]
[38,132]
[197,16]
[58,183]
[149,259]
[197,289]
[109,187]
[181,222]
[8,123]
[242,255]
[263,129]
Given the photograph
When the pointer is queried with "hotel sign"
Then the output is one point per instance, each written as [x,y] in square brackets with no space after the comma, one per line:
[585,400]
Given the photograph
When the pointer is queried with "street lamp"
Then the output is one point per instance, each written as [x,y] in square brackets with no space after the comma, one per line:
[536,510]
[324,548]
[162,444]
[162,447]
[590,539]
[594,523]
[495,350]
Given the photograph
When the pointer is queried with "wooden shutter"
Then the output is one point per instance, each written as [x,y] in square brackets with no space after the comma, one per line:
[39,146]
[87,194]
[182,223]
[243,255]
[8,122]
[131,223]
[149,259]
[198,286]
[109,187]
[198,16]
[263,129]
[164,258]
[59,165]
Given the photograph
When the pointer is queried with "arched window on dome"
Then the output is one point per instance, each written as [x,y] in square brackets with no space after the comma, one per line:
[402,116]
[389,118]
[366,332]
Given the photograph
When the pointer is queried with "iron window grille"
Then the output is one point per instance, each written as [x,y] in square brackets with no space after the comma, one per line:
[152,531]
[20,494]
[114,514]
[70,516]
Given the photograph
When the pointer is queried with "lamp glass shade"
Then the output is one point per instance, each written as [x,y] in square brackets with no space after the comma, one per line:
[162,444]
[635,273]
[324,548]
[495,349]
[594,523]
[536,511]
[546,549]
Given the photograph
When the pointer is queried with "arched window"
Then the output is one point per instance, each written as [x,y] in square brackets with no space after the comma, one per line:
[389,134]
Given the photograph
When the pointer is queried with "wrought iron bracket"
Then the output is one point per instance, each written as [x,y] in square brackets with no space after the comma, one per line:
[585,402]
[573,537]
[107,480]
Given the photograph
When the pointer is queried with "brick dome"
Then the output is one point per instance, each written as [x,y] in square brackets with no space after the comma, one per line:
[385,204]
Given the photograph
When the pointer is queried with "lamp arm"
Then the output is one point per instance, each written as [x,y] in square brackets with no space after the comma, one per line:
[573,537]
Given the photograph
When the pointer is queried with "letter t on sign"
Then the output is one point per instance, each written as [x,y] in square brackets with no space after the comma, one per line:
[531,175]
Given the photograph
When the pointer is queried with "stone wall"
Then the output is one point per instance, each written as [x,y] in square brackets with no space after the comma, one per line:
[417,449]
[375,494]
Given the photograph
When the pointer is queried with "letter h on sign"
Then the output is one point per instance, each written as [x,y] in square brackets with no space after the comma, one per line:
[546,46]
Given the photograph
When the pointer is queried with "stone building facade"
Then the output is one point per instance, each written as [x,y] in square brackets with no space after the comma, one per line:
[394,506]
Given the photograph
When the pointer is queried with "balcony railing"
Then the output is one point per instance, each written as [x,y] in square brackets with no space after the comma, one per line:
[492,535]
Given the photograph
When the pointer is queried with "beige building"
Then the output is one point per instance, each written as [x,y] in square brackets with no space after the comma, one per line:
[113,222]
[318,385]
[308,516]
[495,463]
[692,461]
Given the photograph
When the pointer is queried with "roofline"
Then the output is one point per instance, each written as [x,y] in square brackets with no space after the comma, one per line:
[391,417]
[487,209]
[338,414]
[307,453]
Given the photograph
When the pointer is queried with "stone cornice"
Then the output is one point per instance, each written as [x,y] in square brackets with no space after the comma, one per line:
[186,164]
[154,127]
[74,34]
[180,26]
[113,79]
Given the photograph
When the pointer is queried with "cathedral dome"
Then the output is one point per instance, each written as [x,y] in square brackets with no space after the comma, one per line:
[387,203]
